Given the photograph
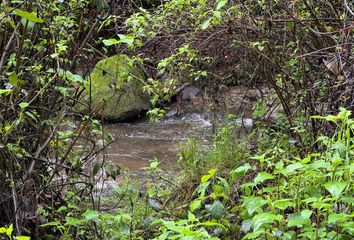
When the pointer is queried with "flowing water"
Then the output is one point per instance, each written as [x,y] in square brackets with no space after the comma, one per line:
[135,144]
[139,142]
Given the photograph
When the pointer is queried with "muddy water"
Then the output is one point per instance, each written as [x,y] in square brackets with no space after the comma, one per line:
[137,143]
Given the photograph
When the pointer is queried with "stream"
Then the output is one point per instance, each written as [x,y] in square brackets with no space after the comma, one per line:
[136,143]
[139,142]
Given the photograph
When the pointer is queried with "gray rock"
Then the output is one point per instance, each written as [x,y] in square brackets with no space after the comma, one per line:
[190,92]
[116,88]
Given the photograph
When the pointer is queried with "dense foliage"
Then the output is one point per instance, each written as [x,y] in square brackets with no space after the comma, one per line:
[291,178]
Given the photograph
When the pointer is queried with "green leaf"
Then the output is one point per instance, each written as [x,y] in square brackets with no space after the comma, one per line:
[9,231]
[5,91]
[196,204]
[212,172]
[22,238]
[73,77]
[70,221]
[31,16]
[211,224]
[263,176]
[206,24]
[96,168]
[110,42]
[51,224]
[335,188]
[172,226]
[259,110]
[240,171]
[253,204]
[23,105]
[205,178]
[221,4]
[293,167]
[334,218]
[13,79]
[264,218]
[254,234]
[155,205]
[91,215]
[191,217]
[128,39]
[154,164]
[283,204]
[320,164]
[29,25]
[216,209]
[299,219]
[247,225]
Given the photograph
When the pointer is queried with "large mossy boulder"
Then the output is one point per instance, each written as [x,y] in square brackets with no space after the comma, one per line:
[116,89]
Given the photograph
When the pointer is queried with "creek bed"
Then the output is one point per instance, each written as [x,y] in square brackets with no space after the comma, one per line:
[138,143]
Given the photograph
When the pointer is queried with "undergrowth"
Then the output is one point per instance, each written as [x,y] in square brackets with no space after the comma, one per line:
[236,192]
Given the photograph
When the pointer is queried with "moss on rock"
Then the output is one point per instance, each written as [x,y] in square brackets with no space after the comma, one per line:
[117,84]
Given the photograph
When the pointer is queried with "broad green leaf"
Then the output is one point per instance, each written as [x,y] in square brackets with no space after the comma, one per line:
[154,204]
[306,159]
[210,224]
[212,172]
[73,77]
[320,164]
[247,225]
[191,217]
[264,218]
[172,226]
[263,176]
[221,4]
[206,24]
[217,15]
[91,215]
[347,199]
[70,221]
[31,115]
[96,168]
[216,209]
[293,167]
[253,204]
[128,39]
[335,188]
[13,79]
[5,91]
[23,105]
[283,204]
[31,16]
[196,204]
[340,146]
[348,227]
[299,219]
[11,23]
[154,164]
[259,110]
[332,118]
[2,230]
[22,238]
[321,205]
[9,231]
[109,42]
[254,234]
[62,208]
[29,25]
[334,218]
[240,171]
[205,178]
